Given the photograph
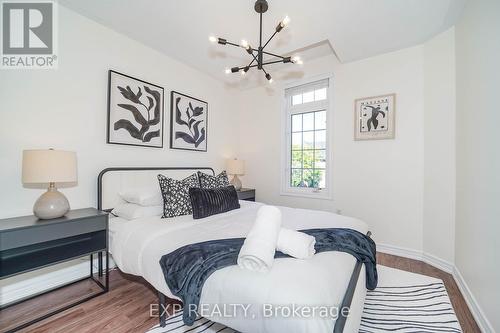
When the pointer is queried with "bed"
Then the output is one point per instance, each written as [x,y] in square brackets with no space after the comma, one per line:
[328,279]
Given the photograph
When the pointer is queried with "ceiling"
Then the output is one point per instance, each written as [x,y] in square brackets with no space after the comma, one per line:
[350,29]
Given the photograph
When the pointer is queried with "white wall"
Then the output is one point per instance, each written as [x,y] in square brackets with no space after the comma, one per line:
[66,109]
[478,155]
[439,146]
[404,188]
[380,182]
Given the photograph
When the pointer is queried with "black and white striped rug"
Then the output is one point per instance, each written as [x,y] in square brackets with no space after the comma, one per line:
[408,302]
[403,302]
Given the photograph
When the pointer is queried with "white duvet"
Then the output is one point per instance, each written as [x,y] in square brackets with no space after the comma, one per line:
[319,282]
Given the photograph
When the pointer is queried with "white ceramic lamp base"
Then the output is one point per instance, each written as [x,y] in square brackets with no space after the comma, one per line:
[52,204]
[236,182]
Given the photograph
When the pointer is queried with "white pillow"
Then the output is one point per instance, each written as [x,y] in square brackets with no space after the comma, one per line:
[130,211]
[143,197]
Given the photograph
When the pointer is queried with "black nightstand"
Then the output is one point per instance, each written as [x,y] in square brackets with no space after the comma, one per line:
[28,244]
[247,194]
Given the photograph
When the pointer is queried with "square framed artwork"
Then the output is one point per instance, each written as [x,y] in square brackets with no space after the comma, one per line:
[374,117]
[188,122]
[135,111]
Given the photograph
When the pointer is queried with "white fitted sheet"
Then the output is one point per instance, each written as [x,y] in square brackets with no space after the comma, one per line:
[138,245]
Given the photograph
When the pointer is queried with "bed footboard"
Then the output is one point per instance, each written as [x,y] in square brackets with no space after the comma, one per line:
[347,301]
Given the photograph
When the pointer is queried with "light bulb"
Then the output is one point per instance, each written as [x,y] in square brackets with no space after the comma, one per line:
[285,21]
[243,73]
[297,60]
[271,81]
[244,43]
[212,39]
[227,71]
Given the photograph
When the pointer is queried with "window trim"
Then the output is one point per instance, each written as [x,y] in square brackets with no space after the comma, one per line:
[287,111]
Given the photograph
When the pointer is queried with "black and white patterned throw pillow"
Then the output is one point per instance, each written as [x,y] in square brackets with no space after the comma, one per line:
[176,201]
[210,182]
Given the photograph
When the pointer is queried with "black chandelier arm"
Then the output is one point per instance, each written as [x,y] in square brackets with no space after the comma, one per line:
[272,36]
[232,44]
[272,62]
[249,49]
[264,71]
[251,62]
[273,55]
[252,65]
[244,67]
[254,58]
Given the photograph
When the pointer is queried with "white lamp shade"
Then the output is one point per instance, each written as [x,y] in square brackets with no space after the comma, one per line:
[46,166]
[235,167]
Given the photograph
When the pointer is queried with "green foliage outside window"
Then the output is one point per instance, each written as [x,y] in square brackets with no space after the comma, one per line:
[305,175]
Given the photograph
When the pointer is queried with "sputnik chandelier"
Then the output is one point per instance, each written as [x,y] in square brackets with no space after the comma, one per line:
[257,55]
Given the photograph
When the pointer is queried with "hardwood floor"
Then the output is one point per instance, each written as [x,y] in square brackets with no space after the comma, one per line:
[126,307]
[461,309]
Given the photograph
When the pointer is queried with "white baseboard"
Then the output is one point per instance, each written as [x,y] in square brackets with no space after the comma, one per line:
[478,313]
[447,267]
[443,265]
[399,251]
[417,255]
[32,283]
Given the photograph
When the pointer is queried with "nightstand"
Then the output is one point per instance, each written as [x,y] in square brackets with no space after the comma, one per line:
[28,244]
[247,194]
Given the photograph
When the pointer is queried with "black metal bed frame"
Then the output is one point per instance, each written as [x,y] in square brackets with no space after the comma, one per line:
[164,301]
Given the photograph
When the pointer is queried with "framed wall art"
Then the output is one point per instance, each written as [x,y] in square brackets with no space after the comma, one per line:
[188,122]
[135,111]
[374,117]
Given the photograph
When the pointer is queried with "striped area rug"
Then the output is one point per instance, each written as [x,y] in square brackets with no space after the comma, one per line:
[403,302]
[176,325]
[408,302]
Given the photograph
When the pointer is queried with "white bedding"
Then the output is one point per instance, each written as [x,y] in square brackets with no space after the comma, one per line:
[138,245]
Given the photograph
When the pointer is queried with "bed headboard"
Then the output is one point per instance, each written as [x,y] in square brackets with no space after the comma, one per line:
[113,180]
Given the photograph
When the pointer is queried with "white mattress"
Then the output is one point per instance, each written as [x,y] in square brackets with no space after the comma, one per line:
[138,245]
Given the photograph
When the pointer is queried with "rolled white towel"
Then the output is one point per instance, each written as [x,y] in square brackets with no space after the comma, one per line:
[257,252]
[296,244]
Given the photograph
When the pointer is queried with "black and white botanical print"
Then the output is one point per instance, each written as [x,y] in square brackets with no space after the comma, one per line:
[135,111]
[374,117]
[188,122]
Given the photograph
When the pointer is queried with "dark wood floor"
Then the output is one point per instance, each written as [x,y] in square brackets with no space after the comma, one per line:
[126,307]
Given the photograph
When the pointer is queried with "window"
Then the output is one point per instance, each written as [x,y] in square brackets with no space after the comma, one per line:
[310,96]
[306,145]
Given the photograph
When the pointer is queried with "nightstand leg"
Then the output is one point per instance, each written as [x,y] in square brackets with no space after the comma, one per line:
[107,270]
[99,263]
[91,265]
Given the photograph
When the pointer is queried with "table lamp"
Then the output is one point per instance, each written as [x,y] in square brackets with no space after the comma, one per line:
[236,168]
[49,167]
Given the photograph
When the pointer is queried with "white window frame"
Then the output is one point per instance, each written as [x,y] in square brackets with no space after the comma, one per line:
[288,110]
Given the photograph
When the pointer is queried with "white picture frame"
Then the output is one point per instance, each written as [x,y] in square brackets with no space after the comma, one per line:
[374,117]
